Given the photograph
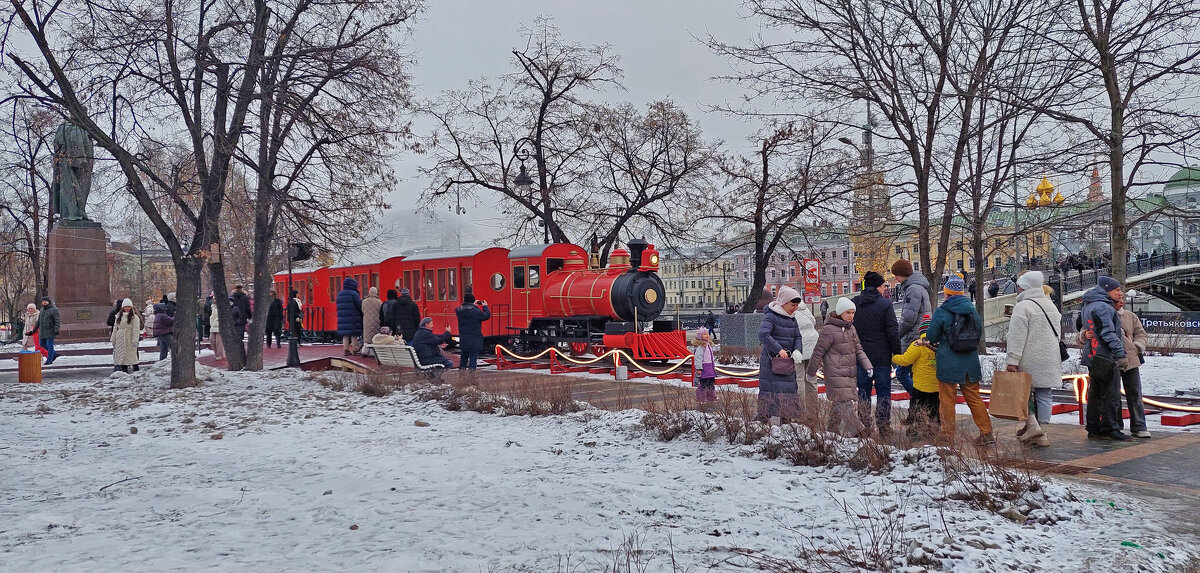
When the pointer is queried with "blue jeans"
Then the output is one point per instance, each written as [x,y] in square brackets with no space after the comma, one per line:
[164,345]
[468,359]
[904,377]
[882,383]
[48,344]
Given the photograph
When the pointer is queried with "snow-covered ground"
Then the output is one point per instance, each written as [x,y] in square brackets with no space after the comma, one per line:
[273,471]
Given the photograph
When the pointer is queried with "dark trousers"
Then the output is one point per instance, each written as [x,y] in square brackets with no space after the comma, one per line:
[468,360]
[924,406]
[904,377]
[882,383]
[164,345]
[48,344]
[277,331]
[1103,401]
[1132,381]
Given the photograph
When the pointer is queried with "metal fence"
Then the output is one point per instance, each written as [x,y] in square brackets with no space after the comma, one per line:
[740,329]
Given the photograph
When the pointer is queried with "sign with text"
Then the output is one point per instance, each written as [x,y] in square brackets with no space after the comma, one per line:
[812,280]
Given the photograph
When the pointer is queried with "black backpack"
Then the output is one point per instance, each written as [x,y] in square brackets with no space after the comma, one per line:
[964,333]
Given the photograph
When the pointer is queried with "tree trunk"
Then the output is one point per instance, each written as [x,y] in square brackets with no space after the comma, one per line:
[235,354]
[759,283]
[264,235]
[1119,242]
[183,349]
[980,291]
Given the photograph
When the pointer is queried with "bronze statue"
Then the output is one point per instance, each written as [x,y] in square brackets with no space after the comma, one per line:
[73,158]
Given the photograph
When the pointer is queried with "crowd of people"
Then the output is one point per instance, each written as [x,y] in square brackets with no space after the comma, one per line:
[936,356]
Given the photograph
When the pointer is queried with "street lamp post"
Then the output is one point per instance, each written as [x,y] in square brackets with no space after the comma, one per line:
[524,183]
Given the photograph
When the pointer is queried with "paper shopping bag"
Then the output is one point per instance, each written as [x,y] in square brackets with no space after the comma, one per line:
[1010,395]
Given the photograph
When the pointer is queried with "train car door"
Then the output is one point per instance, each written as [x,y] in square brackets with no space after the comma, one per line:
[520,292]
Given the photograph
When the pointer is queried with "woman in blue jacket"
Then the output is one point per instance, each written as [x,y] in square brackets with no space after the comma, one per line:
[780,337]
[349,315]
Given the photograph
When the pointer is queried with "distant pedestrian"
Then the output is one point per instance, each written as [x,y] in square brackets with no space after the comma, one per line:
[164,330]
[275,321]
[839,355]
[295,316]
[956,330]
[993,289]
[1033,336]
[1104,358]
[407,315]
[924,406]
[971,290]
[780,337]
[127,329]
[242,310]
[349,316]
[1135,339]
[30,329]
[387,311]
[470,330]
[428,345]
[112,314]
[148,318]
[710,323]
[49,323]
[370,315]
[878,331]
[704,362]
[807,386]
[214,333]
[206,314]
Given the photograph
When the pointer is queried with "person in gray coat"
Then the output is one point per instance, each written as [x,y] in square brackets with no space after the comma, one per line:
[1104,358]
[914,303]
[780,337]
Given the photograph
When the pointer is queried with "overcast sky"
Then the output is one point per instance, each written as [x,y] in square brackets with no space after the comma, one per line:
[458,40]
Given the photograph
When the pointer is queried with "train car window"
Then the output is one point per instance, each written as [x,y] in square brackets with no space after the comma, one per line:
[497,282]
[441,284]
[554,265]
[416,285]
[333,288]
[467,285]
[375,280]
[519,277]
[452,284]
[535,276]
[429,292]
[408,281]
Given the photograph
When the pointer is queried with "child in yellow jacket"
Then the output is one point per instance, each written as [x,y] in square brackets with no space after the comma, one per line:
[923,405]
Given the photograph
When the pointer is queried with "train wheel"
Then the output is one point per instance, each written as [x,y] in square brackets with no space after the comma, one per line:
[579,348]
[599,349]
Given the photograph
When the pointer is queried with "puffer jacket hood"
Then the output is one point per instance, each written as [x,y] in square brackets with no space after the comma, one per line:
[913,304]
[1096,294]
[350,284]
[1099,314]
[954,367]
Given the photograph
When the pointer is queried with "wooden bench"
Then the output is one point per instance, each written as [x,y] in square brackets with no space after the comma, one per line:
[403,356]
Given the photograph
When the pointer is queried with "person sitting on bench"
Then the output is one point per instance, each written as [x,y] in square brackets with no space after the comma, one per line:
[428,345]
[385,338]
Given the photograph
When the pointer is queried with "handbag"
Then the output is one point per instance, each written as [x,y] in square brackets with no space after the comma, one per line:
[1062,348]
[1010,395]
[783,366]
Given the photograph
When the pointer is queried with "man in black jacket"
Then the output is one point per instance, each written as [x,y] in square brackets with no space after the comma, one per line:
[877,329]
[407,315]
[48,325]
[387,312]
[294,318]
[241,315]
[275,321]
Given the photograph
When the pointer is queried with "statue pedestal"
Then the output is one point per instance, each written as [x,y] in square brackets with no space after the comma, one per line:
[78,281]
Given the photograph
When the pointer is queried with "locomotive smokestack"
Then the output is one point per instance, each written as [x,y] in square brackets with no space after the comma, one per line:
[636,248]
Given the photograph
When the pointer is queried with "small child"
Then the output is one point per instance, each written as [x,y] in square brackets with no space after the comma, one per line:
[706,367]
[923,412]
[838,354]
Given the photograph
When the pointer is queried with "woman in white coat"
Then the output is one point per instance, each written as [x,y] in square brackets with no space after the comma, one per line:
[214,339]
[127,331]
[808,334]
[1033,336]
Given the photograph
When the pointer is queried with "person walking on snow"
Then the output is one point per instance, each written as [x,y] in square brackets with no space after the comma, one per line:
[214,330]
[839,354]
[48,325]
[780,337]
[956,323]
[913,303]
[275,321]
[704,363]
[1033,333]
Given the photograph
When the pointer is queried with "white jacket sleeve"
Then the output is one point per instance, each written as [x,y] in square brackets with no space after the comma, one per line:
[808,332]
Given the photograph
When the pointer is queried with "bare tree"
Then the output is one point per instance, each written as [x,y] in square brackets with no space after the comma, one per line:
[538,108]
[130,72]
[25,176]
[332,93]
[793,173]
[646,164]
[1136,57]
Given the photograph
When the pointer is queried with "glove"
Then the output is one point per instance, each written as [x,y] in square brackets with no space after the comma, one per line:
[797,356]
[870,372]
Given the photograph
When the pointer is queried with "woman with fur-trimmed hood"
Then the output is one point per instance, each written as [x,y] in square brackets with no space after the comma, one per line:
[780,337]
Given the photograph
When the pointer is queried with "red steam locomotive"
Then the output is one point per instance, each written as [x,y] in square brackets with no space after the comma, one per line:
[540,295]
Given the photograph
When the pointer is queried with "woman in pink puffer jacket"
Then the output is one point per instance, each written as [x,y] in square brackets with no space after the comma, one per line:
[837,354]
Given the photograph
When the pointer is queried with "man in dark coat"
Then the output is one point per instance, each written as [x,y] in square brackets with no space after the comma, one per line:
[275,321]
[428,345]
[294,317]
[206,320]
[164,329]
[241,315]
[349,315]
[879,333]
[1104,358]
[406,315]
[48,325]
[470,330]
[387,312]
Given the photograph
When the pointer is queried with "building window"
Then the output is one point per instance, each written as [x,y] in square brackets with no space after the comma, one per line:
[997,243]
[972,264]
[917,266]
[824,290]
[958,264]
[845,269]
[1038,239]
[997,263]
[899,250]
[844,254]
[845,288]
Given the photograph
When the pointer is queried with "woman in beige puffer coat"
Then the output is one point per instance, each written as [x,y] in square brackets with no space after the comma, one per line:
[127,331]
[838,354]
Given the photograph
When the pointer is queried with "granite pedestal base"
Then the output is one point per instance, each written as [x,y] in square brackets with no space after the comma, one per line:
[78,281]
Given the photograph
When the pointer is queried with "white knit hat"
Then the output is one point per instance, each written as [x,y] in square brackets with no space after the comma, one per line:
[1031,280]
[127,303]
[844,304]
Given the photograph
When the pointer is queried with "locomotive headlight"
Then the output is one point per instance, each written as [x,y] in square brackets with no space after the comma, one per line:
[650,296]
[653,260]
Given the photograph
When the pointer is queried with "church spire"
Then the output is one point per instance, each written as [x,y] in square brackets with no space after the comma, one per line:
[1095,190]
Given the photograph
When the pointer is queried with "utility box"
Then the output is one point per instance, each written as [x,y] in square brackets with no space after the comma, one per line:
[29,366]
